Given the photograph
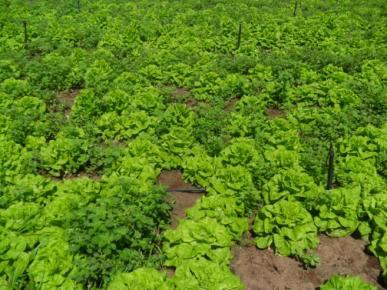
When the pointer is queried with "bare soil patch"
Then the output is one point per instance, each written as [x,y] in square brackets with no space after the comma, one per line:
[181,200]
[191,102]
[274,113]
[182,95]
[70,176]
[92,176]
[67,99]
[264,270]
[231,104]
[179,92]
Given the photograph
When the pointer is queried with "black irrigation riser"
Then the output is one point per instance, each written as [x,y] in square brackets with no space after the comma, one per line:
[296,4]
[331,167]
[198,190]
[25,34]
[239,37]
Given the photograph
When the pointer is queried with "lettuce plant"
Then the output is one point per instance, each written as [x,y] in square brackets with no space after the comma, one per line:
[346,282]
[176,115]
[142,278]
[373,215]
[204,274]
[126,126]
[199,166]
[287,227]
[198,238]
[336,211]
[235,181]
[292,184]
[64,155]
[226,210]
[243,152]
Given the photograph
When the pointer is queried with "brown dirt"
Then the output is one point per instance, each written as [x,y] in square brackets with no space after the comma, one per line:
[181,200]
[170,271]
[274,113]
[67,99]
[92,176]
[183,95]
[191,103]
[264,270]
[179,92]
[231,104]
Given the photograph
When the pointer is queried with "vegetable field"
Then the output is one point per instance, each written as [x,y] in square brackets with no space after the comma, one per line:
[274,113]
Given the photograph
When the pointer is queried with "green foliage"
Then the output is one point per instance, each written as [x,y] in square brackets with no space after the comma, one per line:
[278,132]
[240,125]
[23,117]
[54,72]
[83,234]
[209,127]
[373,213]
[336,211]
[176,143]
[280,158]
[125,126]
[199,167]
[225,210]
[162,87]
[65,155]
[346,282]
[204,238]
[52,266]
[194,239]
[28,188]
[176,115]
[200,274]
[363,157]
[112,233]
[99,75]
[87,107]
[242,152]
[287,227]
[15,88]
[15,160]
[209,231]
[235,181]
[140,279]
[9,69]
[372,209]
[203,274]
[291,184]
